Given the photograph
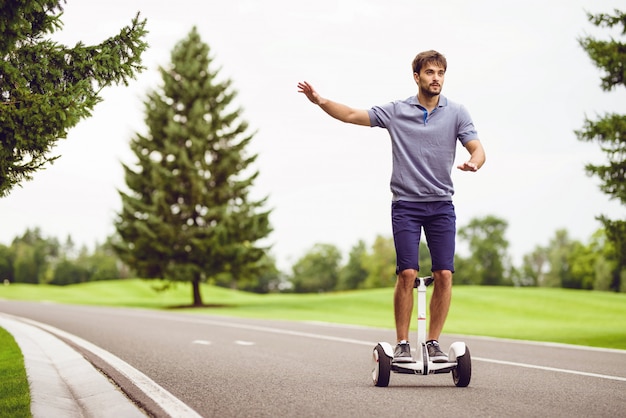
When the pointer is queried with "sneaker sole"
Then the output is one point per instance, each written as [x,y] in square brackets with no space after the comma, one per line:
[403,360]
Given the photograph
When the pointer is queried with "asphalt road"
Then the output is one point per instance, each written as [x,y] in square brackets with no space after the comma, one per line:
[230,367]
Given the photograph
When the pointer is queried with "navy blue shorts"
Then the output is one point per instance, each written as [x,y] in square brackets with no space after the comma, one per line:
[438,220]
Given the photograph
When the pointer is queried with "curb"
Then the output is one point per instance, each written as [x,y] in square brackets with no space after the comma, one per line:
[62,382]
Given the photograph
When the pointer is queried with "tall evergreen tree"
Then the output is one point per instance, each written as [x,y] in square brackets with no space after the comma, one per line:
[188,216]
[47,88]
[610,132]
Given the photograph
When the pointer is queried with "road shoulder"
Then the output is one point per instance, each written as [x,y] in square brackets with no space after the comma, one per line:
[61,381]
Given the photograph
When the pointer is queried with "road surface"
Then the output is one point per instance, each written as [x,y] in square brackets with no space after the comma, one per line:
[232,367]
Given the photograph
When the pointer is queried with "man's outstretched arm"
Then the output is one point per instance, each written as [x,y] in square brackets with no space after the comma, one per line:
[336,110]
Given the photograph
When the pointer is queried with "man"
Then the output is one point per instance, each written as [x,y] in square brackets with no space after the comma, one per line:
[423,130]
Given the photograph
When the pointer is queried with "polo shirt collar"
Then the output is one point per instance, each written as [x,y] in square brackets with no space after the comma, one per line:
[443,101]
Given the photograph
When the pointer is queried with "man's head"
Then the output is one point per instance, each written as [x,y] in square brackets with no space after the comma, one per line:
[429,57]
[429,69]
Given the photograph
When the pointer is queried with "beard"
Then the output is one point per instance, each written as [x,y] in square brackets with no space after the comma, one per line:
[431,91]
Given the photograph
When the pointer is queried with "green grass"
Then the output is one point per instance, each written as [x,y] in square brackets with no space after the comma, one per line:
[14,392]
[540,314]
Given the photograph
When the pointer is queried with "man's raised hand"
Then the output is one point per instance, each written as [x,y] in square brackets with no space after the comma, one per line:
[309,92]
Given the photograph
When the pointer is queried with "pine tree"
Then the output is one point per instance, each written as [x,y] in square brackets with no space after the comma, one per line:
[610,132]
[188,216]
[47,88]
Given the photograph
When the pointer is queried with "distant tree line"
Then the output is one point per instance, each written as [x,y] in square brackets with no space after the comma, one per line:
[563,262]
[33,258]
[36,259]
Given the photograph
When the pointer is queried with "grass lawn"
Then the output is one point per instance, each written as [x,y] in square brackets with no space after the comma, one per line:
[555,315]
[14,393]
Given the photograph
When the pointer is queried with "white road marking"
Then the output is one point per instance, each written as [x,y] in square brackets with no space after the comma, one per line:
[238,342]
[550,369]
[201,342]
[547,344]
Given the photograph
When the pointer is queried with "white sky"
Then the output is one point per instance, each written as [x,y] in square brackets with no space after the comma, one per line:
[516,65]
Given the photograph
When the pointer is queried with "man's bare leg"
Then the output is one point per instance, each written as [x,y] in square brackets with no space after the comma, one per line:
[403,302]
[439,302]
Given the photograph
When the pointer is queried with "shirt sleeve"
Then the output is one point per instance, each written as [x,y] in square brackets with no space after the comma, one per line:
[380,116]
[466,129]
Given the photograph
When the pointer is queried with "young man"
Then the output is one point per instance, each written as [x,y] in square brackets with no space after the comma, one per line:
[423,130]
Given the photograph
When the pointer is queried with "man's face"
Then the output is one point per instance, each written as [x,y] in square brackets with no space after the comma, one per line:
[430,79]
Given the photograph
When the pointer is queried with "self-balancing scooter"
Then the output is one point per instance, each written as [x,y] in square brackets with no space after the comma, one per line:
[459,360]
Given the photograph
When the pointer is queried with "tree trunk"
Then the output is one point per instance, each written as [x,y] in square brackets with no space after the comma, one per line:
[197,297]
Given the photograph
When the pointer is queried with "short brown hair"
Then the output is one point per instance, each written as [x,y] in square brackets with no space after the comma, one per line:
[429,57]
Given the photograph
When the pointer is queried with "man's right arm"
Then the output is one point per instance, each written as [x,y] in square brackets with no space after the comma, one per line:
[336,110]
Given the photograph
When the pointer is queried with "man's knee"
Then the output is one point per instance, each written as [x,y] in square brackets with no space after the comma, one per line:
[443,278]
[408,273]
[407,277]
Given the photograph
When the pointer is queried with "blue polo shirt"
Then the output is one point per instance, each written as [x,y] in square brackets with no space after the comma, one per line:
[423,146]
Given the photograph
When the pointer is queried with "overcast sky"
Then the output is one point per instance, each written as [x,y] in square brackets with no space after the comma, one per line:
[516,66]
